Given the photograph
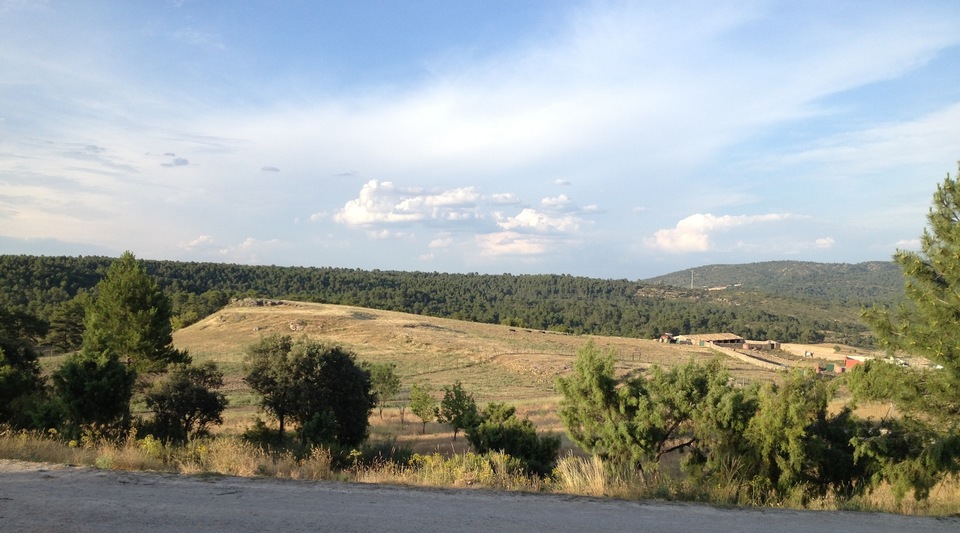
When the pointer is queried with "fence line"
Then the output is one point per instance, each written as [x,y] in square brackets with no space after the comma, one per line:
[756,361]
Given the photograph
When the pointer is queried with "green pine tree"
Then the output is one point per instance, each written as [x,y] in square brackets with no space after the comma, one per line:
[924,445]
[130,319]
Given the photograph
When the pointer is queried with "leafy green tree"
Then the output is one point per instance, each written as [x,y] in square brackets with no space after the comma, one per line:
[385,384]
[321,388]
[670,403]
[498,429]
[187,402]
[635,421]
[270,374]
[95,391]
[335,396]
[130,318]
[457,409]
[422,404]
[924,446]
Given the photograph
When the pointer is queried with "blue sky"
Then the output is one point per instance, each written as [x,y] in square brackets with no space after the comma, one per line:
[606,139]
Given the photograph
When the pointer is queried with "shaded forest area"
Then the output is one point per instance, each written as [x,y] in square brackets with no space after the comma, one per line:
[54,290]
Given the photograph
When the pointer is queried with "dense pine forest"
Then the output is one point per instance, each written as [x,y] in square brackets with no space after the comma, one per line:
[54,289]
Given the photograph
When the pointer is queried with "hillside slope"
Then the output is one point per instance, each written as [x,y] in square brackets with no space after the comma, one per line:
[494,362]
[862,283]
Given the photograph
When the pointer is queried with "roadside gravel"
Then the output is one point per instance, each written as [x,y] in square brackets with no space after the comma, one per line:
[45,497]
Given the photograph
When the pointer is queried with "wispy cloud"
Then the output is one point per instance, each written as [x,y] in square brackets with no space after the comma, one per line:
[825,242]
[251,250]
[177,162]
[203,241]
[511,243]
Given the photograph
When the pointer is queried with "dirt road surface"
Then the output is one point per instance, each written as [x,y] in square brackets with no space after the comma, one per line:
[43,497]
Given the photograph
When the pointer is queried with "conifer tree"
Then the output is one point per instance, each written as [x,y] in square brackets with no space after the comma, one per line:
[923,445]
[130,319]
[20,376]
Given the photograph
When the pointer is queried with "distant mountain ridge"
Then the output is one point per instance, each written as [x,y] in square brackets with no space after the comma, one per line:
[869,282]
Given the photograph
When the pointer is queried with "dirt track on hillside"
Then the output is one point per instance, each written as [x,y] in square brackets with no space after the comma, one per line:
[43,497]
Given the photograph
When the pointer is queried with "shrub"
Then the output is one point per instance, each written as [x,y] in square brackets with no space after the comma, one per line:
[186,403]
[499,430]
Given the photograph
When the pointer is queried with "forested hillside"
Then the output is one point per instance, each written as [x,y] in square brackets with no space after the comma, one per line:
[861,283]
[49,287]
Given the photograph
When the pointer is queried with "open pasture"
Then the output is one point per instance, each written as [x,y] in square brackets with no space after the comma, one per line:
[494,362]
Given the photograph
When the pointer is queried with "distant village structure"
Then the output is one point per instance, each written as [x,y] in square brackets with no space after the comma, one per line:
[722,340]
[725,340]
[735,345]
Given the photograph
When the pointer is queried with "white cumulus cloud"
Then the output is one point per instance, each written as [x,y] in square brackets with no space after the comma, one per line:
[558,203]
[442,242]
[531,219]
[692,234]
[385,203]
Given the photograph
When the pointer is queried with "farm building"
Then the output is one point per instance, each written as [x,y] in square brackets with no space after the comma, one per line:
[762,345]
[728,340]
[851,361]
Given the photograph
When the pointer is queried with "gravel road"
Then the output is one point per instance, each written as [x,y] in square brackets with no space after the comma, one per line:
[44,497]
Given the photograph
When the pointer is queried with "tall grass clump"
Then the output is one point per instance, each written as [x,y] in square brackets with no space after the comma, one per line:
[239,457]
[130,453]
[25,445]
[491,470]
[587,476]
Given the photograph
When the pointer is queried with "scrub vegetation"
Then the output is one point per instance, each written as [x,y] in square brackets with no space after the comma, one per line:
[265,387]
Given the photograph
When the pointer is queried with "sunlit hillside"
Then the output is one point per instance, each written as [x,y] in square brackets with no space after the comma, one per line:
[495,363]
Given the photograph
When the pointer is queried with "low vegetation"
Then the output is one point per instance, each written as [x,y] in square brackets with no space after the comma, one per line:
[682,425]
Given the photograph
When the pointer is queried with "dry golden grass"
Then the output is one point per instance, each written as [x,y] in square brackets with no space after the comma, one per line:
[32,446]
[494,363]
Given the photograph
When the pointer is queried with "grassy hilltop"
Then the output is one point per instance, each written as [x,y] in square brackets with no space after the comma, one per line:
[494,362]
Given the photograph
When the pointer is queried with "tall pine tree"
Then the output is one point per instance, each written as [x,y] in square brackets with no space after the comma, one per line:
[924,444]
[130,319]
